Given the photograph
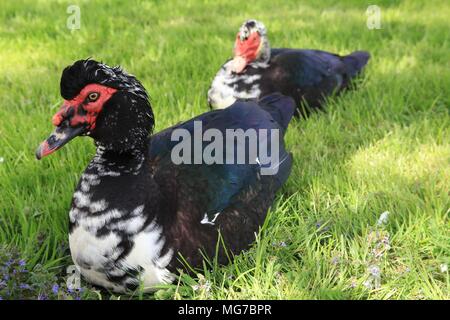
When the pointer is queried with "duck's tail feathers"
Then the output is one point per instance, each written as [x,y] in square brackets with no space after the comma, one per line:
[280,107]
[356,61]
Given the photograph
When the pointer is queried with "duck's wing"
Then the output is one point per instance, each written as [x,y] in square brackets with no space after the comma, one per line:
[214,187]
[309,69]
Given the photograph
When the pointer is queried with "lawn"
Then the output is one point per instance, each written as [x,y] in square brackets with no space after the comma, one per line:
[365,212]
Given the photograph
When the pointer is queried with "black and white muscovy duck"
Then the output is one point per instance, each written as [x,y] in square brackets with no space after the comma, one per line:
[135,211]
[257,70]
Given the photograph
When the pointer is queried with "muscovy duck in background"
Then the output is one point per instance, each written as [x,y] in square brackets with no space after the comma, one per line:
[257,70]
[134,211]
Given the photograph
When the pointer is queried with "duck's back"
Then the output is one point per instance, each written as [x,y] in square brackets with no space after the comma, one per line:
[230,198]
[310,75]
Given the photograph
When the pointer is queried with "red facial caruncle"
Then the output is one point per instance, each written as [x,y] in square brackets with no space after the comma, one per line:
[245,51]
[76,117]
[247,48]
[85,107]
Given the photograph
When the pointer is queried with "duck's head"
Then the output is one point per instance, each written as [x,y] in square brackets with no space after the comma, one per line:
[104,103]
[251,45]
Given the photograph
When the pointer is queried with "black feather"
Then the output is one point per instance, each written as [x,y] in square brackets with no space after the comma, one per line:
[83,72]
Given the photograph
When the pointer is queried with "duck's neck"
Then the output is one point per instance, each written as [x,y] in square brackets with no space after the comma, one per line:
[115,180]
[120,161]
[264,57]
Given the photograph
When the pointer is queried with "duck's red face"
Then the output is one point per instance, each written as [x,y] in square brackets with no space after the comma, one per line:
[85,107]
[245,50]
[76,117]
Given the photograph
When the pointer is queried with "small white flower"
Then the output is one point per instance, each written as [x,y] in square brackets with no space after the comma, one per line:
[374,271]
[279,244]
[383,219]
[444,268]
[375,274]
[335,260]
[2,159]
[207,286]
[368,284]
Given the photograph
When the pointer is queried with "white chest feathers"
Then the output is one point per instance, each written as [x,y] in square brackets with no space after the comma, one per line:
[127,253]
[227,87]
[100,260]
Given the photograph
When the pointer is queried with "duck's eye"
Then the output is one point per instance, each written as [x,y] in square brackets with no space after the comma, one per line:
[93,96]
[244,35]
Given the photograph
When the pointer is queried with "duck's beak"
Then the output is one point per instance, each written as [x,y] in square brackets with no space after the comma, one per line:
[239,63]
[62,134]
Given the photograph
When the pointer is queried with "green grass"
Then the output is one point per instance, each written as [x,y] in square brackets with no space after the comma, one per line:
[383,147]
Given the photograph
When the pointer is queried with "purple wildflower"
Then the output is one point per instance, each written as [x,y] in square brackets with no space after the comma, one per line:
[22,263]
[42,296]
[24,286]
[55,289]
